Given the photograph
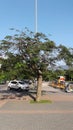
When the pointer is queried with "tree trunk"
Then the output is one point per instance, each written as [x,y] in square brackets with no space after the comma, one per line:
[39,86]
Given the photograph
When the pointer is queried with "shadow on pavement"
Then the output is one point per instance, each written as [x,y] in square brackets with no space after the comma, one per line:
[16,94]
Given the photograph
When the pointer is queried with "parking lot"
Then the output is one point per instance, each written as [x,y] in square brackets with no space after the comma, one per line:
[47,92]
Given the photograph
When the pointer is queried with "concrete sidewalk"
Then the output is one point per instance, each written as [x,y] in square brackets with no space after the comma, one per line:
[56,99]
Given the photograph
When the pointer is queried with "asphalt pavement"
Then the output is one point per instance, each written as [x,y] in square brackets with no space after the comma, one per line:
[20,114]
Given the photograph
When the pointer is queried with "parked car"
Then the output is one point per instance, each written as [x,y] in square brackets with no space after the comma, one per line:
[69,87]
[16,84]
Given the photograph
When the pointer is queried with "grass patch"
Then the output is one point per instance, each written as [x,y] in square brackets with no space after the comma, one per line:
[41,101]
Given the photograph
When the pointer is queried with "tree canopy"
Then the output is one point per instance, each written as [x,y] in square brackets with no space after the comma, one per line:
[36,51]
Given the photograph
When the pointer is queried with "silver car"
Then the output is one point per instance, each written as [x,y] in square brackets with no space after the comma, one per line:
[16,84]
[69,87]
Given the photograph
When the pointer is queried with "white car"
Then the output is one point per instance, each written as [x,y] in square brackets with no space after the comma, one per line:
[16,84]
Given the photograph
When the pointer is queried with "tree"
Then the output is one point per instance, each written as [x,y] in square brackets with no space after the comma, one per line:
[37,52]
[69,74]
[66,54]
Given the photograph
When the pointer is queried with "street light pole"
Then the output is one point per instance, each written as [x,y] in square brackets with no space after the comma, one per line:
[35,16]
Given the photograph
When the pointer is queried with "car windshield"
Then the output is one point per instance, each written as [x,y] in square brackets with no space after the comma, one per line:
[21,82]
[14,82]
[70,82]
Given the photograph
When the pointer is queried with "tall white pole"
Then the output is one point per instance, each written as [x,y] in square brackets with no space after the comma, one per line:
[35,16]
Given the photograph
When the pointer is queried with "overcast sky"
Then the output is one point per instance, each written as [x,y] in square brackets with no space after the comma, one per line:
[55,18]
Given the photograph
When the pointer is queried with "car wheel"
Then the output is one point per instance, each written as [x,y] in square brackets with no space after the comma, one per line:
[27,90]
[8,88]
